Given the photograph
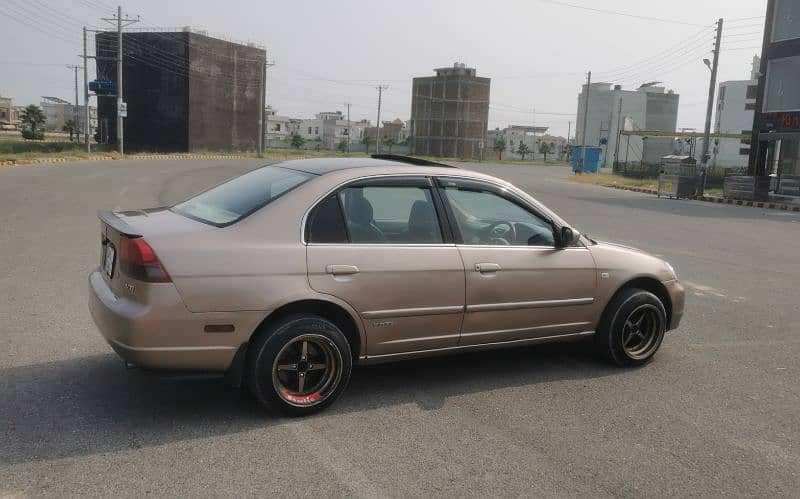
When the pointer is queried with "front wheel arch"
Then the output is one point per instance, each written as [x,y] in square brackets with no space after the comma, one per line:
[650,284]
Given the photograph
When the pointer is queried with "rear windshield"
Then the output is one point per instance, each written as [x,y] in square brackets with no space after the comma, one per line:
[235,199]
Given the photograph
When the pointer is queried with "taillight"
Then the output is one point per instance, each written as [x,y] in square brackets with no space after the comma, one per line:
[138,260]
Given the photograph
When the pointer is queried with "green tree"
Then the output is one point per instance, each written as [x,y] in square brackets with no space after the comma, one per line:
[70,127]
[546,149]
[388,142]
[342,146]
[32,119]
[296,140]
[367,140]
[499,146]
[523,149]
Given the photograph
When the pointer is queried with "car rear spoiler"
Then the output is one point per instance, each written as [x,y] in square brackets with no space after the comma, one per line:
[112,220]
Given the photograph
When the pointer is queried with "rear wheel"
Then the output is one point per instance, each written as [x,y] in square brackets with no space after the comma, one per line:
[633,327]
[299,365]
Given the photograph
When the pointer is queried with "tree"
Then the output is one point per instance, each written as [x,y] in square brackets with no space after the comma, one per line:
[546,149]
[342,146]
[296,140]
[32,118]
[367,140]
[388,142]
[523,149]
[70,127]
[499,146]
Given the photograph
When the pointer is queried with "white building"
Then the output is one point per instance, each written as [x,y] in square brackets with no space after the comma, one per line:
[277,127]
[648,108]
[531,136]
[736,104]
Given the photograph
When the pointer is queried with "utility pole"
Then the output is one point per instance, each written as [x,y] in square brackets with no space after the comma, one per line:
[75,111]
[711,89]
[119,21]
[380,88]
[585,120]
[264,121]
[261,113]
[619,130]
[86,127]
[349,137]
[569,132]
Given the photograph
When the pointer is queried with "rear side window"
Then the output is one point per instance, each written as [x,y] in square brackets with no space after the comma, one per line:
[235,199]
[326,224]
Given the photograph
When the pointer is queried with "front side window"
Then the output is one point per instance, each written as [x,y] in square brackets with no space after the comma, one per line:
[782,92]
[235,199]
[786,24]
[486,218]
[390,215]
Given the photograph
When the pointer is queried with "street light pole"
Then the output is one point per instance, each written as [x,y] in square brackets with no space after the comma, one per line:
[709,110]
[381,88]
[582,164]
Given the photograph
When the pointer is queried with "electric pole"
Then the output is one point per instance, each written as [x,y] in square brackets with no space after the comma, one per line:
[261,113]
[619,130]
[86,127]
[348,126]
[711,89]
[585,120]
[569,132]
[121,109]
[75,111]
[380,88]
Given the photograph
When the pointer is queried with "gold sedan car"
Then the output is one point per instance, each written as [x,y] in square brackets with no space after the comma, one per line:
[283,278]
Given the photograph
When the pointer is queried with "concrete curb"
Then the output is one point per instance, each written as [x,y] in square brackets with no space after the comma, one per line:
[42,161]
[714,199]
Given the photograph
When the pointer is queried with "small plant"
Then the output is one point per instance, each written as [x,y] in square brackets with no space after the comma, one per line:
[342,146]
[388,142]
[296,140]
[367,140]
[523,150]
[33,120]
[499,146]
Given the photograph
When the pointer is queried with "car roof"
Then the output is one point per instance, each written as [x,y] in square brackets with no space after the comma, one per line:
[321,166]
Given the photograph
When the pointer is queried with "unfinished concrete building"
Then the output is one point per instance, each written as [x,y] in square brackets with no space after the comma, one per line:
[450,113]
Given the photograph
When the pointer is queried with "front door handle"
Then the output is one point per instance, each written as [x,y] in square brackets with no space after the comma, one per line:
[341,269]
[484,268]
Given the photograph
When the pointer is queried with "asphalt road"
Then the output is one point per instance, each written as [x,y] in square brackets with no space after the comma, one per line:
[716,413]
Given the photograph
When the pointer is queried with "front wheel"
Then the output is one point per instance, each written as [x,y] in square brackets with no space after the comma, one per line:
[632,328]
[299,365]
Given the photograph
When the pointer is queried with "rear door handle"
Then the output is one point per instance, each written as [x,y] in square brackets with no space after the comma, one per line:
[341,269]
[484,268]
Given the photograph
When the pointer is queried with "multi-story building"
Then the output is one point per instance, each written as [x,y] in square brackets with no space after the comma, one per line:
[58,112]
[450,113]
[9,114]
[736,104]
[277,127]
[776,124]
[649,107]
[395,129]
[185,91]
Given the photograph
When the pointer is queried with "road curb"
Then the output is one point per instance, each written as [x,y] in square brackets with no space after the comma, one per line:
[43,161]
[714,199]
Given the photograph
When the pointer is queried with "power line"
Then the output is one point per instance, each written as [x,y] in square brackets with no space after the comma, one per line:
[617,13]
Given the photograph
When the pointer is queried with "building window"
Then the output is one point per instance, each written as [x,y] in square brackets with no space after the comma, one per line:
[316,130]
[744,151]
[782,92]
[752,91]
[309,130]
[786,24]
[278,127]
[750,106]
[746,141]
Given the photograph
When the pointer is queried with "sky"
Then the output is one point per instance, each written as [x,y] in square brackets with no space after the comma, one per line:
[537,52]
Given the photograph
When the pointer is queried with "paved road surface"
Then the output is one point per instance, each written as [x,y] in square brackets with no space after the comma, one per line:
[716,413]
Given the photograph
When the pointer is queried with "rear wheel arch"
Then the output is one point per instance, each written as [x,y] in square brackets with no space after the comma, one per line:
[333,312]
[650,284]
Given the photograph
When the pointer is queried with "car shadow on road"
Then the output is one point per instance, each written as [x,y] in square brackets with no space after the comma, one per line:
[92,405]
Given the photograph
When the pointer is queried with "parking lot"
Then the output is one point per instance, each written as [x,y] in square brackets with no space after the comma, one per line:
[716,413]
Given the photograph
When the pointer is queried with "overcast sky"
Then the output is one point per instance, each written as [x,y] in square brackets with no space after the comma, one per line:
[327,53]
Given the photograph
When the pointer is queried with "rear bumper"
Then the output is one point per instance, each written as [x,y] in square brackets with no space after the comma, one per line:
[677,296]
[165,336]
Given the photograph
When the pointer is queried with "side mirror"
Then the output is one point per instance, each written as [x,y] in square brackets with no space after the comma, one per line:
[567,236]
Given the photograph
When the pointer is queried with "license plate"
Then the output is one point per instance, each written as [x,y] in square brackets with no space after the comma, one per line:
[108,263]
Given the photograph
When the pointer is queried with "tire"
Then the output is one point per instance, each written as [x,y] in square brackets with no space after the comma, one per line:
[299,365]
[632,328]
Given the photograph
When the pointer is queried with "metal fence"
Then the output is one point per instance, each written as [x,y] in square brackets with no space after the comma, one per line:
[715,176]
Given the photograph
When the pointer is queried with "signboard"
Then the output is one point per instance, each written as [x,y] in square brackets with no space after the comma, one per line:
[778,122]
[123,109]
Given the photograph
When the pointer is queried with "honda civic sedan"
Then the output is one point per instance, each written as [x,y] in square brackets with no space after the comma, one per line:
[283,278]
